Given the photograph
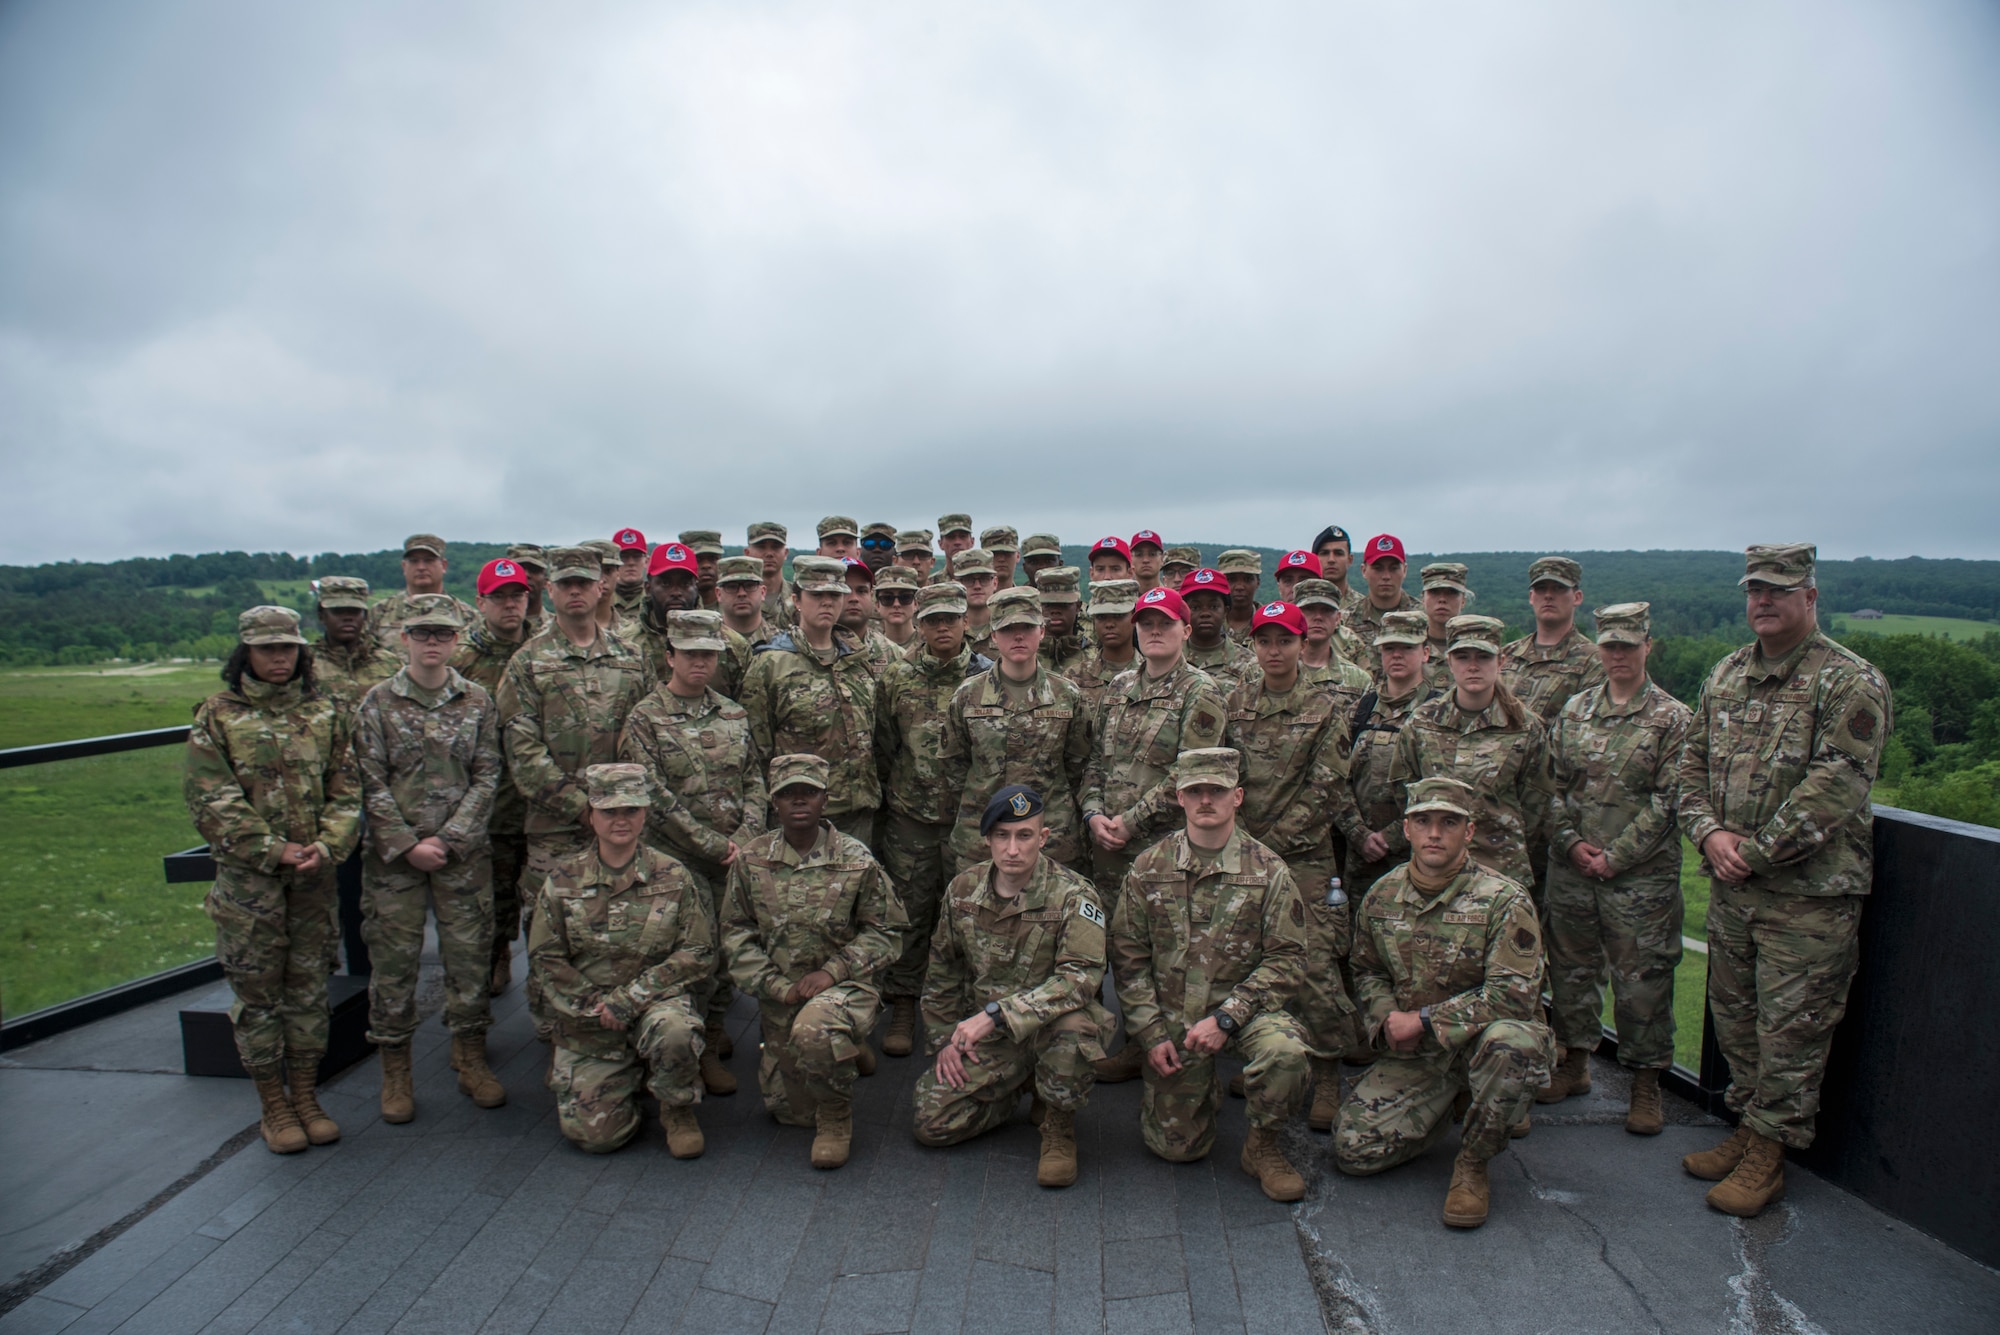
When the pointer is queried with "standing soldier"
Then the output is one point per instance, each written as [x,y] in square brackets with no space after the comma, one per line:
[1210,648]
[766,541]
[672,585]
[1177,565]
[1335,551]
[423,572]
[1005,544]
[534,563]
[628,580]
[913,553]
[1614,888]
[973,571]
[739,593]
[1382,565]
[1447,970]
[611,564]
[857,613]
[1371,811]
[839,538]
[428,745]
[954,536]
[1331,648]
[1545,669]
[1113,650]
[809,922]
[622,936]
[1010,998]
[1244,569]
[811,690]
[1294,568]
[878,546]
[347,660]
[1445,596]
[483,654]
[1039,552]
[1208,944]
[706,544]
[1147,554]
[1110,558]
[1782,751]
[896,590]
[271,784]
[1061,599]
[912,703]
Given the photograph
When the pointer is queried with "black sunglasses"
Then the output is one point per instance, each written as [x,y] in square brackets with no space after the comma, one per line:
[895,595]
[878,544]
[431,634]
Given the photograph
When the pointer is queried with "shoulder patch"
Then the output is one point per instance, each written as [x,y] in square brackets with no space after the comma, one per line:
[1861,724]
[1090,913]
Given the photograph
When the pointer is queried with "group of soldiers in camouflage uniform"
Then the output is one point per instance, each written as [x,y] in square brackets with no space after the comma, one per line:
[1347,824]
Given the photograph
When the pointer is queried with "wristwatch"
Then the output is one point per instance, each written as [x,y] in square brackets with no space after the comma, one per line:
[1225,1023]
[993,1011]
[1424,1015]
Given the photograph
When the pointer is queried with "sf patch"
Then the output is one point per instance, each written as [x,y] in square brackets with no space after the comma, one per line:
[1861,724]
[1090,913]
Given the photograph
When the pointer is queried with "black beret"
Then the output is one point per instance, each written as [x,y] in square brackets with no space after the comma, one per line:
[1016,801]
[1331,533]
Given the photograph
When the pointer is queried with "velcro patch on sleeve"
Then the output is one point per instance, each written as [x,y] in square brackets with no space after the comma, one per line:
[1089,912]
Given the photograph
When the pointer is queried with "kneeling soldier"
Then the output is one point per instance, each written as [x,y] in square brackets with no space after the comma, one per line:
[621,937]
[809,924]
[1447,969]
[1208,941]
[1019,953]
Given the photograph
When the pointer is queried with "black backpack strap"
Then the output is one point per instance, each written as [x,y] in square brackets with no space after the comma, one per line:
[1362,711]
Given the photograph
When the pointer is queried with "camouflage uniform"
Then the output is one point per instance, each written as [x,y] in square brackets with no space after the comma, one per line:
[1365,620]
[785,916]
[1784,754]
[386,618]
[345,675]
[1371,801]
[482,657]
[996,734]
[1142,726]
[1545,677]
[1062,585]
[270,765]
[1090,674]
[800,702]
[1041,957]
[1226,663]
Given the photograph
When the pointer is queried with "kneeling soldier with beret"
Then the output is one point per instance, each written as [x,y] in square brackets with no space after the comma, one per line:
[1011,993]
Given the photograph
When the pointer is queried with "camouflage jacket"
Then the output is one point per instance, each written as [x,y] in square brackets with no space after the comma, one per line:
[1364,619]
[1039,955]
[1350,646]
[800,703]
[628,602]
[270,766]
[1617,777]
[1437,668]
[991,740]
[386,616]
[1372,801]
[1472,953]
[1143,724]
[430,764]
[345,675]
[735,660]
[704,773]
[1507,767]
[1785,754]
[1339,675]
[1092,675]
[785,916]
[912,702]
[483,656]
[1059,650]
[1546,678]
[1295,751]
[1187,940]
[781,611]
[1226,663]
[594,942]
[562,709]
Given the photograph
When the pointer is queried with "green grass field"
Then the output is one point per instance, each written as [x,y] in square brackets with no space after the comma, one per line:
[1952,628]
[58,704]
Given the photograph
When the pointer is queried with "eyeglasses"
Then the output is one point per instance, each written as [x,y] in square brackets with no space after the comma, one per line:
[894,597]
[431,634]
[878,544]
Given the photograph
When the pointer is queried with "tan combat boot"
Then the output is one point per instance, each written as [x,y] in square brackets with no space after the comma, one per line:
[279,1122]
[719,1041]
[1263,1160]
[1571,1077]
[1120,1066]
[1058,1163]
[1520,1129]
[1757,1181]
[1718,1163]
[715,1077]
[1326,1096]
[864,1061]
[1645,1117]
[902,1027]
[684,1138]
[1466,1204]
[503,973]
[475,1078]
[399,1101]
[303,1073]
[833,1131]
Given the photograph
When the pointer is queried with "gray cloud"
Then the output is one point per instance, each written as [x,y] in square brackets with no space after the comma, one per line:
[1490,277]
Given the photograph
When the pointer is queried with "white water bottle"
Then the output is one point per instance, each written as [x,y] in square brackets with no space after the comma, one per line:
[1335,896]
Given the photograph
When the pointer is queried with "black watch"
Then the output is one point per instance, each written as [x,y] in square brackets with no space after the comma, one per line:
[1225,1023]
[1424,1018]
[993,1011]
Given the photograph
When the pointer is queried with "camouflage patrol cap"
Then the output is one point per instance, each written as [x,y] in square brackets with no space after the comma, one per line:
[342,591]
[1555,570]
[946,599]
[1112,597]
[1000,538]
[799,770]
[767,530]
[881,528]
[1047,543]
[424,542]
[1240,561]
[896,577]
[913,540]
[575,563]
[1624,623]
[1016,606]
[739,570]
[972,561]
[695,630]
[528,554]
[608,555]
[434,609]
[268,625]
[1059,584]
[1485,634]
[838,526]
[820,574]
[1404,628]
[950,524]
[1789,565]
[1446,575]
[616,787]
[1180,556]
[1216,766]
[705,541]
[1440,794]
[1316,593]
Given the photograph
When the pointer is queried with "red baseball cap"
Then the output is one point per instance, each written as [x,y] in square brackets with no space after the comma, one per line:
[1384,545]
[671,556]
[1161,599]
[1118,545]
[853,565]
[1278,614]
[1147,535]
[499,574]
[629,540]
[1205,580]
[1305,561]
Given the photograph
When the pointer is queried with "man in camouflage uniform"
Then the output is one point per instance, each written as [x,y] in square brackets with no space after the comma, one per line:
[1005,544]
[1325,659]
[1383,565]
[954,536]
[1446,592]
[1113,649]
[1110,557]
[839,538]
[1558,661]
[859,618]
[347,660]
[428,745]
[610,564]
[1208,944]
[1010,998]
[973,571]
[1148,553]
[1177,565]
[423,572]
[808,923]
[1447,971]
[766,541]
[1039,552]
[1370,812]
[878,546]
[272,786]
[1614,887]
[1244,569]
[1063,644]
[1210,648]
[621,938]
[706,791]
[534,562]
[628,579]
[706,544]
[671,585]
[1335,551]
[913,553]
[896,592]
[812,690]
[739,592]
[1781,754]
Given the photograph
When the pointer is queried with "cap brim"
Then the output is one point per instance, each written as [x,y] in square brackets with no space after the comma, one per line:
[345,600]
[1483,646]
[1015,619]
[1109,609]
[273,637]
[415,622]
[798,781]
[696,646]
[1772,578]
[1061,597]
[1448,584]
[576,572]
[1620,637]
[1452,807]
[1549,579]
[1406,641]
[620,803]
[952,609]
[1201,780]
[425,548]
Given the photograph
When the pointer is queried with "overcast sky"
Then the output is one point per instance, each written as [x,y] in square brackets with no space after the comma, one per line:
[1493,276]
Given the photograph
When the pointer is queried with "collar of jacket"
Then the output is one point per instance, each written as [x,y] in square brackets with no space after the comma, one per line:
[843,645]
[1035,894]
[1415,899]
[405,685]
[596,873]
[1760,668]
[821,850]
[1457,719]
[362,651]
[1146,687]
[993,688]
[260,694]
[1227,862]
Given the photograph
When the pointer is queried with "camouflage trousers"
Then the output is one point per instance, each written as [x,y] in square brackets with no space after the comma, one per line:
[395,900]
[1358,875]
[1630,925]
[1323,1005]
[1779,967]
[1177,1113]
[1404,1103]
[1056,1059]
[809,1050]
[597,1089]
[712,997]
[510,859]
[919,862]
[545,852]
[277,939]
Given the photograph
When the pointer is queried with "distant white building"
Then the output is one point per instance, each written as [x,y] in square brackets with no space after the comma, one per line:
[1866,614]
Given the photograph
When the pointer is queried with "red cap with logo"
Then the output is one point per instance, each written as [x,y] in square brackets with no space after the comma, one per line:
[499,575]
[1305,561]
[1161,599]
[1114,544]
[1147,535]
[629,540]
[670,556]
[1205,580]
[1383,546]
[858,567]
[1278,614]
